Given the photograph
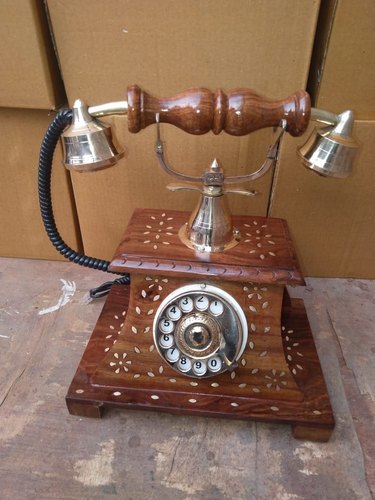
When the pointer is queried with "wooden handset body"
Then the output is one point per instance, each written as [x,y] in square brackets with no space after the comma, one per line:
[237,112]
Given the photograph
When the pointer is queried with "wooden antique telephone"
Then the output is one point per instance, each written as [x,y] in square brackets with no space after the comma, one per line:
[206,326]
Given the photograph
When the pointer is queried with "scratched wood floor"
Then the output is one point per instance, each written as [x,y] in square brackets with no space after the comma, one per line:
[47,454]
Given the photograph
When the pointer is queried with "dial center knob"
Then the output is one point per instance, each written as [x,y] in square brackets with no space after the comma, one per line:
[198,336]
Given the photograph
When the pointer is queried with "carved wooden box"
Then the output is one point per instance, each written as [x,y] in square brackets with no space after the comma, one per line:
[277,377]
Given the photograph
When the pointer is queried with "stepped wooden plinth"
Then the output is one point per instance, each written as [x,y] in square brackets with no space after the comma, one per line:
[278,377]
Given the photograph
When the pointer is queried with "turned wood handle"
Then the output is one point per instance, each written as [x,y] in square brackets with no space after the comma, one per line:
[237,112]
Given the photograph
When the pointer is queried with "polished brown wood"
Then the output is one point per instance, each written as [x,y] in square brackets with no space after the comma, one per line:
[149,384]
[265,253]
[307,433]
[237,112]
[263,356]
[278,377]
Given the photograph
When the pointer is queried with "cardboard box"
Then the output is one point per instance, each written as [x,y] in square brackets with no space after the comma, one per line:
[343,69]
[30,77]
[21,227]
[331,220]
[167,47]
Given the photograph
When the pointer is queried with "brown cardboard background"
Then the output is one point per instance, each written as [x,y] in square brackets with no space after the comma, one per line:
[323,32]
[166,47]
[21,229]
[347,73]
[331,220]
[29,74]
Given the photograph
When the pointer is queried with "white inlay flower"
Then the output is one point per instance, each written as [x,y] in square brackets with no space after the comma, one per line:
[260,240]
[158,230]
[258,298]
[294,355]
[275,380]
[118,362]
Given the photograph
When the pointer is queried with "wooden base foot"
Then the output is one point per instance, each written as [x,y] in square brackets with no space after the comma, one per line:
[83,409]
[311,433]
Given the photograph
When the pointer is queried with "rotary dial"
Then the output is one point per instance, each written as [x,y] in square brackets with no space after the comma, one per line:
[200,330]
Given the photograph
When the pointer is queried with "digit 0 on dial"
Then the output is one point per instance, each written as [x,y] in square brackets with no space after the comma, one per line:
[200,330]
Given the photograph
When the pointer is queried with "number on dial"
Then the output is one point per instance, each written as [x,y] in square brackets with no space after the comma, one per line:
[166,341]
[174,313]
[172,355]
[166,325]
[186,304]
[214,364]
[184,364]
[216,307]
[201,302]
[199,368]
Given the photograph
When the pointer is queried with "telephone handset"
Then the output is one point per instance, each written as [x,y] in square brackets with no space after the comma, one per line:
[206,325]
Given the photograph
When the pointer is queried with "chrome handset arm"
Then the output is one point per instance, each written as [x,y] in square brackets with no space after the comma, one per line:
[209,178]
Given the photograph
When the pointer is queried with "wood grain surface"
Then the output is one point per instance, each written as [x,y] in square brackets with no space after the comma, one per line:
[237,112]
[122,368]
[278,377]
[265,253]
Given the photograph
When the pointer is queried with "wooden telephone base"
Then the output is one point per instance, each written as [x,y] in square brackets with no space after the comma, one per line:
[278,377]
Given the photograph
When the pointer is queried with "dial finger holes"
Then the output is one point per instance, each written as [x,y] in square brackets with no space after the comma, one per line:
[184,364]
[214,364]
[172,355]
[186,304]
[201,303]
[166,325]
[166,341]
[216,308]
[199,368]
[174,313]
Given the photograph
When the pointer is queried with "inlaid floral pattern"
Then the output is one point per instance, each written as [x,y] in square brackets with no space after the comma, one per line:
[275,380]
[258,301]
[119,363]
[294,356]
[262,243]
[114,330]
[156,283]
[150,292]
[158,231]
[150,295]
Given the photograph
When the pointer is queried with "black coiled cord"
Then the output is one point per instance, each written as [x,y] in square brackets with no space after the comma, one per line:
[50,140]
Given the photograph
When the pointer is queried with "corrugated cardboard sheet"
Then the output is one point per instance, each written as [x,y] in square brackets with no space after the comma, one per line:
[29,74]
[331,220]
[21,228]
[166,47]
[344,71]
